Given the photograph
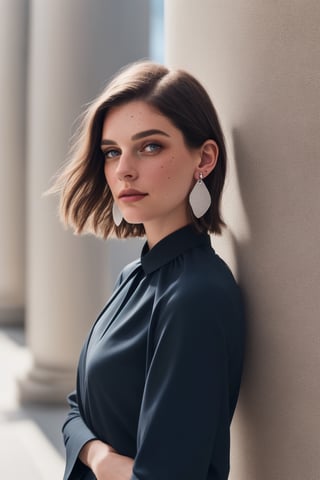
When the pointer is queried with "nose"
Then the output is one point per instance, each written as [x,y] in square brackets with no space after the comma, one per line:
[126,168]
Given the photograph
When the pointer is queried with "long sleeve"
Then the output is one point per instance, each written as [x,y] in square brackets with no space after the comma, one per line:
[158,377]
[75,434]
[185,415]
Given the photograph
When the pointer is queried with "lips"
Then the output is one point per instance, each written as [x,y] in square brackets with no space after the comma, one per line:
[131,194]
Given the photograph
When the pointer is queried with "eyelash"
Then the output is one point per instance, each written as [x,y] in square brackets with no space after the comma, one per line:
[152,144]
[106,153]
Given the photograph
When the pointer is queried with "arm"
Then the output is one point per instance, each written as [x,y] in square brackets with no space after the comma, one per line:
[75,435]
[83,448]
[85,451]
[184,414]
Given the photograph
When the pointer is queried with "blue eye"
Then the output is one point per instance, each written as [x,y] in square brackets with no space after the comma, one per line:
[111,153]
[152,147]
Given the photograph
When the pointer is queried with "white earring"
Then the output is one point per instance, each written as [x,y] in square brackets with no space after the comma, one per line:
[116,214]
[199,198]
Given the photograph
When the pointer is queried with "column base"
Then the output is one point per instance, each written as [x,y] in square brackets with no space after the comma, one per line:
[46,386]
[11,315]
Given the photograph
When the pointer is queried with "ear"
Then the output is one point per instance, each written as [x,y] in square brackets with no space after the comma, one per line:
[209,152]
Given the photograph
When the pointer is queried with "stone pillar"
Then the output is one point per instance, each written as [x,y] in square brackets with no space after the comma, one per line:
[261,63]
[75,46]
[13,55]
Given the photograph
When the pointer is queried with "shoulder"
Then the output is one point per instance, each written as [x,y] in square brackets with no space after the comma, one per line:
[127,272]
[206,291]
[130,268]
[208,277]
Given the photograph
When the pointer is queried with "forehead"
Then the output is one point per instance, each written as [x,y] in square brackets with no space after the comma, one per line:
[133,117]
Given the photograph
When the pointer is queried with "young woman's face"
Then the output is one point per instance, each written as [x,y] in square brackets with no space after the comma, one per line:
[148,168]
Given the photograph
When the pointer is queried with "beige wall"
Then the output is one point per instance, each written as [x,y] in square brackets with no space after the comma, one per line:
[261,64]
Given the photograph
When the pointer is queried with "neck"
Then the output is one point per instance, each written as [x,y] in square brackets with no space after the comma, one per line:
[155,233]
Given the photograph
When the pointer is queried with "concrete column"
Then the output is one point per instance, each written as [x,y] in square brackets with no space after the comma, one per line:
[75,46]
[261,64]
[13,54]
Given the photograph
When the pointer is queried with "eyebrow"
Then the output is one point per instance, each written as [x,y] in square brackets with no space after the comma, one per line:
[137,136]
[146,133]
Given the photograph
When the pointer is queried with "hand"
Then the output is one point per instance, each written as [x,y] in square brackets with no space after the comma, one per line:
[105,462]
[113,467]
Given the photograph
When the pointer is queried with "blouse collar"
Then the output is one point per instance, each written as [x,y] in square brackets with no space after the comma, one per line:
[171,246]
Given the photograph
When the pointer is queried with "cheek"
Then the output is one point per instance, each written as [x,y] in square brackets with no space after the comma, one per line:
[108,171]
[168,168]
[164,173]
[178,172]
[174,180]
[108,176]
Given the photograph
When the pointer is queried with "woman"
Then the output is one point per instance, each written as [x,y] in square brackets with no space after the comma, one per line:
[159,375]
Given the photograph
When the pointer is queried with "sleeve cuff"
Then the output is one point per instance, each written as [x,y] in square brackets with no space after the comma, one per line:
[77,434]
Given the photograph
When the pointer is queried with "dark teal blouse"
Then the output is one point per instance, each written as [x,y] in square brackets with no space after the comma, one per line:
[159,375]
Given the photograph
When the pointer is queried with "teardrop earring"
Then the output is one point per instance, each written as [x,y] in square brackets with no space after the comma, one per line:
[199,198]
[116,214]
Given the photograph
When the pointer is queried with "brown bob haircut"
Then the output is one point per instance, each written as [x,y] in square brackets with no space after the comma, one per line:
[86,200]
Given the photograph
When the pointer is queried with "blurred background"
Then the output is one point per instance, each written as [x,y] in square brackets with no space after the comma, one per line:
[56,56]
[260,62]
